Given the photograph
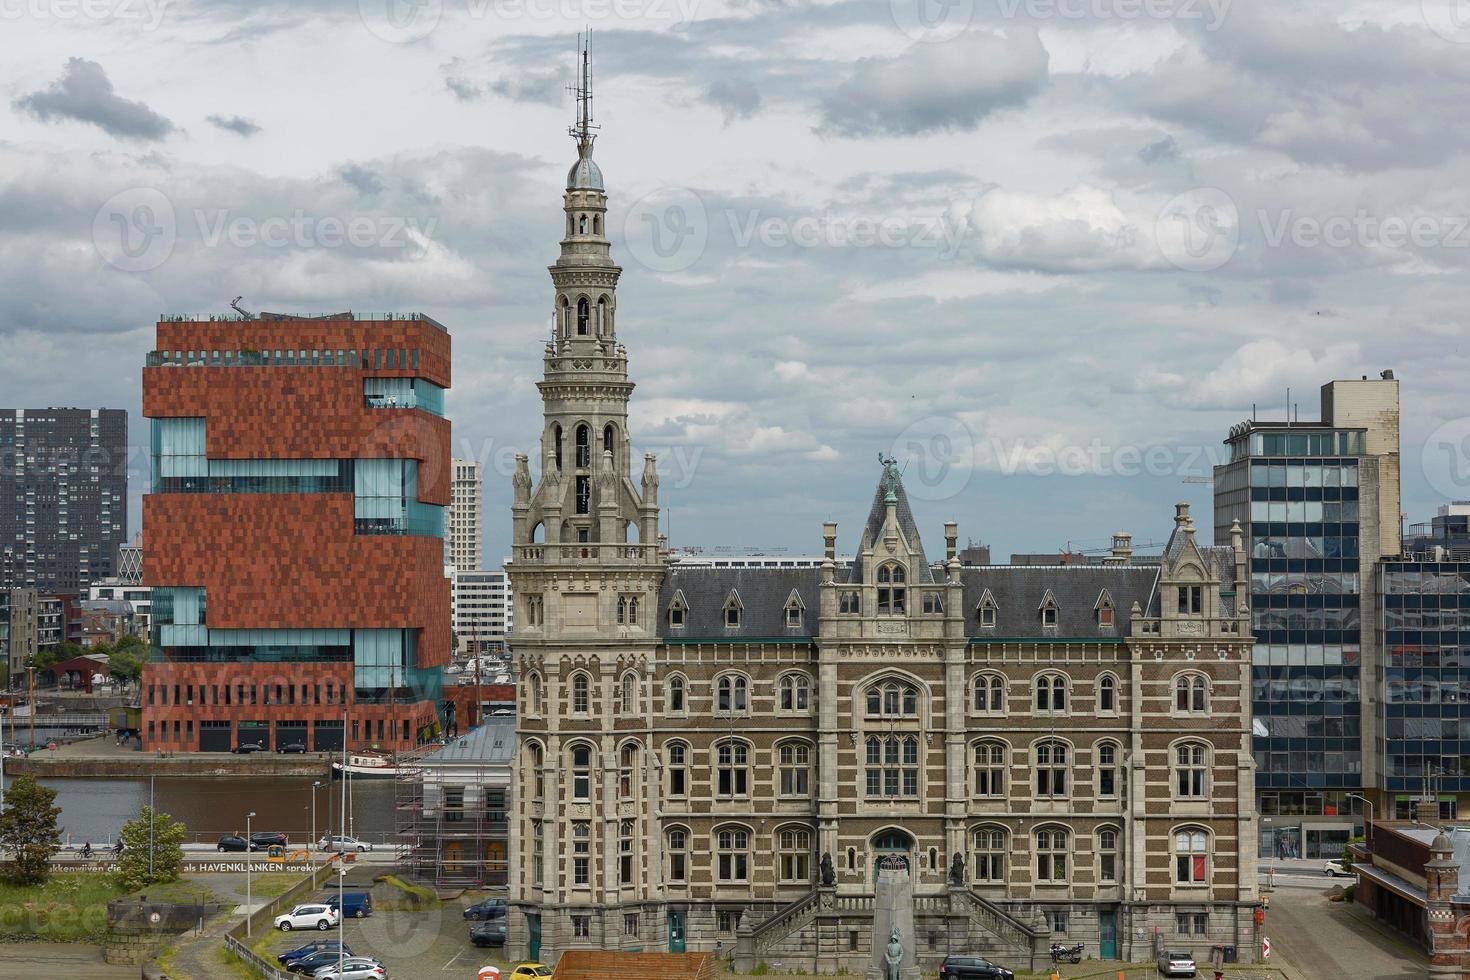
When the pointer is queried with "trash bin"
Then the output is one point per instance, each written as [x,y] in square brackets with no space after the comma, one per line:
[1230,954]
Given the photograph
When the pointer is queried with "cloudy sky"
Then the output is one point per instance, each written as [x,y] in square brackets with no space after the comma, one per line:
[1044,251]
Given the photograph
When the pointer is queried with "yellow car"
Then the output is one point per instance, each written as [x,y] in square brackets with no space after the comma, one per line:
[529,971]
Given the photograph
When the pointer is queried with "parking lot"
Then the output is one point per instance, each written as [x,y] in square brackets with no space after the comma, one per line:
[427,945]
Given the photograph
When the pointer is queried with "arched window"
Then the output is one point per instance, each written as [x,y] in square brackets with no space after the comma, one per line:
[584,446]
[678,769]
[1051,770]
[1191,695]
[566,307]
[581,224]
[1191,856]
[626,829]
[603,324]
[584,313]
[1051,855]
[1051,694]
[731,694]
[795,761]
[676,695]
[538,773]
[609,440]
[627,771]
[892,766]
[1107,769]
[793,854]
[892,594]
[678,850]
[581,694]
[1107,694]
[533,693]
[989,696]
[732,848]
[988,856]
[597,224]
[556,444]
[893,699]
[628,695]
[990,769]
[581,773]
[1191,764]
[796,692]
[732,768]
[1107,855]
[581,853]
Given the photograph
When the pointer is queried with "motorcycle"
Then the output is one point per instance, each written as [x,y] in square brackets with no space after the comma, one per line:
[1066,954]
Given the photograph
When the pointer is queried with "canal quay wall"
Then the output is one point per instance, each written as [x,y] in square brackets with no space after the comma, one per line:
[48,765]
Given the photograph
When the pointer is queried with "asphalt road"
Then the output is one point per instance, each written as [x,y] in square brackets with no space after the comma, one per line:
[1317,939]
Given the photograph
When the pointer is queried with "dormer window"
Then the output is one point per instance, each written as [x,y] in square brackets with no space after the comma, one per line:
[986,610]
[794,610]
[849,603]
[732,611]
[1048,611]
[1104,609]
[892,593]
[1191,600]
[677,608]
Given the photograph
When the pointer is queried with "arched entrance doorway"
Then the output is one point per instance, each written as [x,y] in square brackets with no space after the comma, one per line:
[895,846]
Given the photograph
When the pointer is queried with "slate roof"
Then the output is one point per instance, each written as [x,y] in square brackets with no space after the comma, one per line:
[763,593]
[1018,591]
[493,742]
[873,531]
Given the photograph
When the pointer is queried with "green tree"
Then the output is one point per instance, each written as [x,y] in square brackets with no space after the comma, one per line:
[28,831]
[1347,852]
[133,643]
[124,666]
[167,850]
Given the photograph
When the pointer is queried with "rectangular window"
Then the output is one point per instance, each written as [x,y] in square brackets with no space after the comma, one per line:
[630,924]
[582,927]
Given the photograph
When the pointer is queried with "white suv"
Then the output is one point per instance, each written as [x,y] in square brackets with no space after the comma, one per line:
[337,843]
[307,917]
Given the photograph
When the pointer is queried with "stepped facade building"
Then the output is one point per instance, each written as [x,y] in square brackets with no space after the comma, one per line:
[718,759]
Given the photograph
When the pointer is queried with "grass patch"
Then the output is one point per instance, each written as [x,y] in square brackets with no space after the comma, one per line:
[69,907]
[181,892]
[414,897]
[233,966]
[272,886]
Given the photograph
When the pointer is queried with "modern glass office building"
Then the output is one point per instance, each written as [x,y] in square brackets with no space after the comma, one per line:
[1319,504]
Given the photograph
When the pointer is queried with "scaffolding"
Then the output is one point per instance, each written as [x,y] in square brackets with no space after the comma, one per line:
[452,808]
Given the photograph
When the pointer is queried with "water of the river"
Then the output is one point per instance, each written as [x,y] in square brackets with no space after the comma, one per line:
[95,809]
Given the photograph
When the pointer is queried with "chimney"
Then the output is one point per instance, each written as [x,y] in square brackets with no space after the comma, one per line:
[829,539]
[951,535]
[1122,549]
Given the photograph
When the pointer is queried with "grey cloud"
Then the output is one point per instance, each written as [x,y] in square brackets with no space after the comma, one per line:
[546,87]
[1164,149]
[738,98]
[238,125]
[84,93]
[932,87]
[364,180]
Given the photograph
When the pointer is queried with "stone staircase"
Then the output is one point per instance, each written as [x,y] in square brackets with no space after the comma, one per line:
[816,932]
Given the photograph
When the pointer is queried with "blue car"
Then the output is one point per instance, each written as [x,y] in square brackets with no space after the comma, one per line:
[356,905]
[301,952]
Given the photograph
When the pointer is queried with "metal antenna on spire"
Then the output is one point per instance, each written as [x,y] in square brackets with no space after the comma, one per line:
[584,132]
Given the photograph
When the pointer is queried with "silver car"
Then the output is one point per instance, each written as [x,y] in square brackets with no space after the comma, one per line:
[352,968]
[1176,963]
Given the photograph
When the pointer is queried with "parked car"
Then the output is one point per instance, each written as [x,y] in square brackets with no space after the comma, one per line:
[972,968]
[293,748]
[314,916]
[342,843]
[315,946]
[529,971]
[309,964]
[1176,963]
[1335,869]
[489,932]
[357,968]
[490,908]
[245,748]
[355,905]
[234,842]
[266,838]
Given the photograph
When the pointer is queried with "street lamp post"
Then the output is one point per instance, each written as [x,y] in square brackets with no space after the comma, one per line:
[1371,811]
[311,844]
[249,843]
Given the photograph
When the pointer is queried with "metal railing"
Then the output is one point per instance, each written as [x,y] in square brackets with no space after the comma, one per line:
[531,554]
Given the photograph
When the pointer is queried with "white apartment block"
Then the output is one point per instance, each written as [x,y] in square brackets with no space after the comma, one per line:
[465,494]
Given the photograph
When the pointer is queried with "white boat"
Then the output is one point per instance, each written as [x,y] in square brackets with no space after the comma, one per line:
[366,765]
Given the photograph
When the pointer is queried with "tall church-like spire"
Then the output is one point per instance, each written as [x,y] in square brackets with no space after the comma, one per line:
[586,494]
